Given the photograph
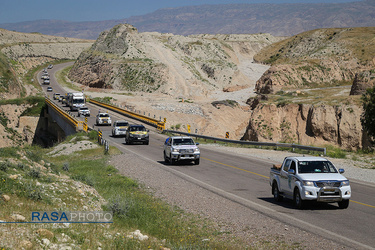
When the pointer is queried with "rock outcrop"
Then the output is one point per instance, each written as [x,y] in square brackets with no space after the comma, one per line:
[362,81]
[308,125]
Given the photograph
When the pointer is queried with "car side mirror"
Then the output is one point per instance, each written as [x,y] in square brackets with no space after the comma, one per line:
[197,143]
[291,171]
[341,171]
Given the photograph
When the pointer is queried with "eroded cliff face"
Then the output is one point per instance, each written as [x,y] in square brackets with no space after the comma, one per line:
[308,125]
[362,81]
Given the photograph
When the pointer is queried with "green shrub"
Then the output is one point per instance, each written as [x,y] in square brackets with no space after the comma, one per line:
[33,192]
[335,152]
[66,166]
[34,174]
[10,152]
[4,166]
[120,206]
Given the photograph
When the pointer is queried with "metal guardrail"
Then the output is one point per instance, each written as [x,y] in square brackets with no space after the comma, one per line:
[161,126]
[79,125]
[252,143]
[153,122]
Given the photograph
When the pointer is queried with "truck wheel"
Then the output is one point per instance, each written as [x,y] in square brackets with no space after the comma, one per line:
[298,202]
[166,160]
[276,193]
[343,204]
[196,162]
[171,160]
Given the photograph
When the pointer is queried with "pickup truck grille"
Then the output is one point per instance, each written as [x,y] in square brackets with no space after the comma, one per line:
[186,151]
[328,183]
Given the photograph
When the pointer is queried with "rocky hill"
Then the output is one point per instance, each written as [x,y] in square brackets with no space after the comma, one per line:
[318,57]
[277,19]
[192,66]
[20,52]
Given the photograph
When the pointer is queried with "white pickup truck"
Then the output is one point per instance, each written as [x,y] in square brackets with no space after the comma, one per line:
[309,178]
[181,148]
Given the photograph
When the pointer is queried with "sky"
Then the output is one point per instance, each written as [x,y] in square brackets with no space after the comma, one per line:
[13,11]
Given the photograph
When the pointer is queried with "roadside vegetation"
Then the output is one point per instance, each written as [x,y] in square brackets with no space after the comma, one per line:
[41,181]
[31,76]
[62,78]
[7,77]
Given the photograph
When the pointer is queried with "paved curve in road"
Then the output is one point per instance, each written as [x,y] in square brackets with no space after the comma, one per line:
[245,180]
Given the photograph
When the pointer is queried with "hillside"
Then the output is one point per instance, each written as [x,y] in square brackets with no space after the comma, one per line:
[318,57]
[21,55]
[276,19]
[204,80]
[311,93]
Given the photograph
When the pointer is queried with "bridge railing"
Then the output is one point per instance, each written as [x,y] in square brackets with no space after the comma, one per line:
[79,125]
[153,122]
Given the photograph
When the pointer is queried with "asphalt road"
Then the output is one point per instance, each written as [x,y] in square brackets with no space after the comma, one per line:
[245,180]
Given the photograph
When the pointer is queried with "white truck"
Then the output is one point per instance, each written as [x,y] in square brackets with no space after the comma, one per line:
[309,179]
[181,148]
[75,101]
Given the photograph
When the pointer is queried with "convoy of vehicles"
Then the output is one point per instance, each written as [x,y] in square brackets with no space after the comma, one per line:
[181,148]
[309,179]
[298,178]
[103,119]
[137,133]
[119,128]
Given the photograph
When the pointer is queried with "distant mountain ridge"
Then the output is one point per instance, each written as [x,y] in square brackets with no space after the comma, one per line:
[276,19]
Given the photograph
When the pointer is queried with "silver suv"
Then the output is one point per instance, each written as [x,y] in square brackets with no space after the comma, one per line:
[181,148]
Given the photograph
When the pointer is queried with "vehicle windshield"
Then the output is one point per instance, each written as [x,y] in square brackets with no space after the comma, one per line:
[183,141]
[103,115]
[84,108]
[78,101]
[122,124]
[137,129]
[308,167]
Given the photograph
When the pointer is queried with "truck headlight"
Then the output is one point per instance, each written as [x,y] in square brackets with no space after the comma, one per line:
[196,150]
[308,183]
[175,150]
[345,183]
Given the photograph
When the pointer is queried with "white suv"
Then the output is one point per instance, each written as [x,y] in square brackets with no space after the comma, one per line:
[180,148]
[84,111]
[119,128]
[103,119]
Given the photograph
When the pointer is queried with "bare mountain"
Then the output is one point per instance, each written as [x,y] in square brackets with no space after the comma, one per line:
[276,19]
